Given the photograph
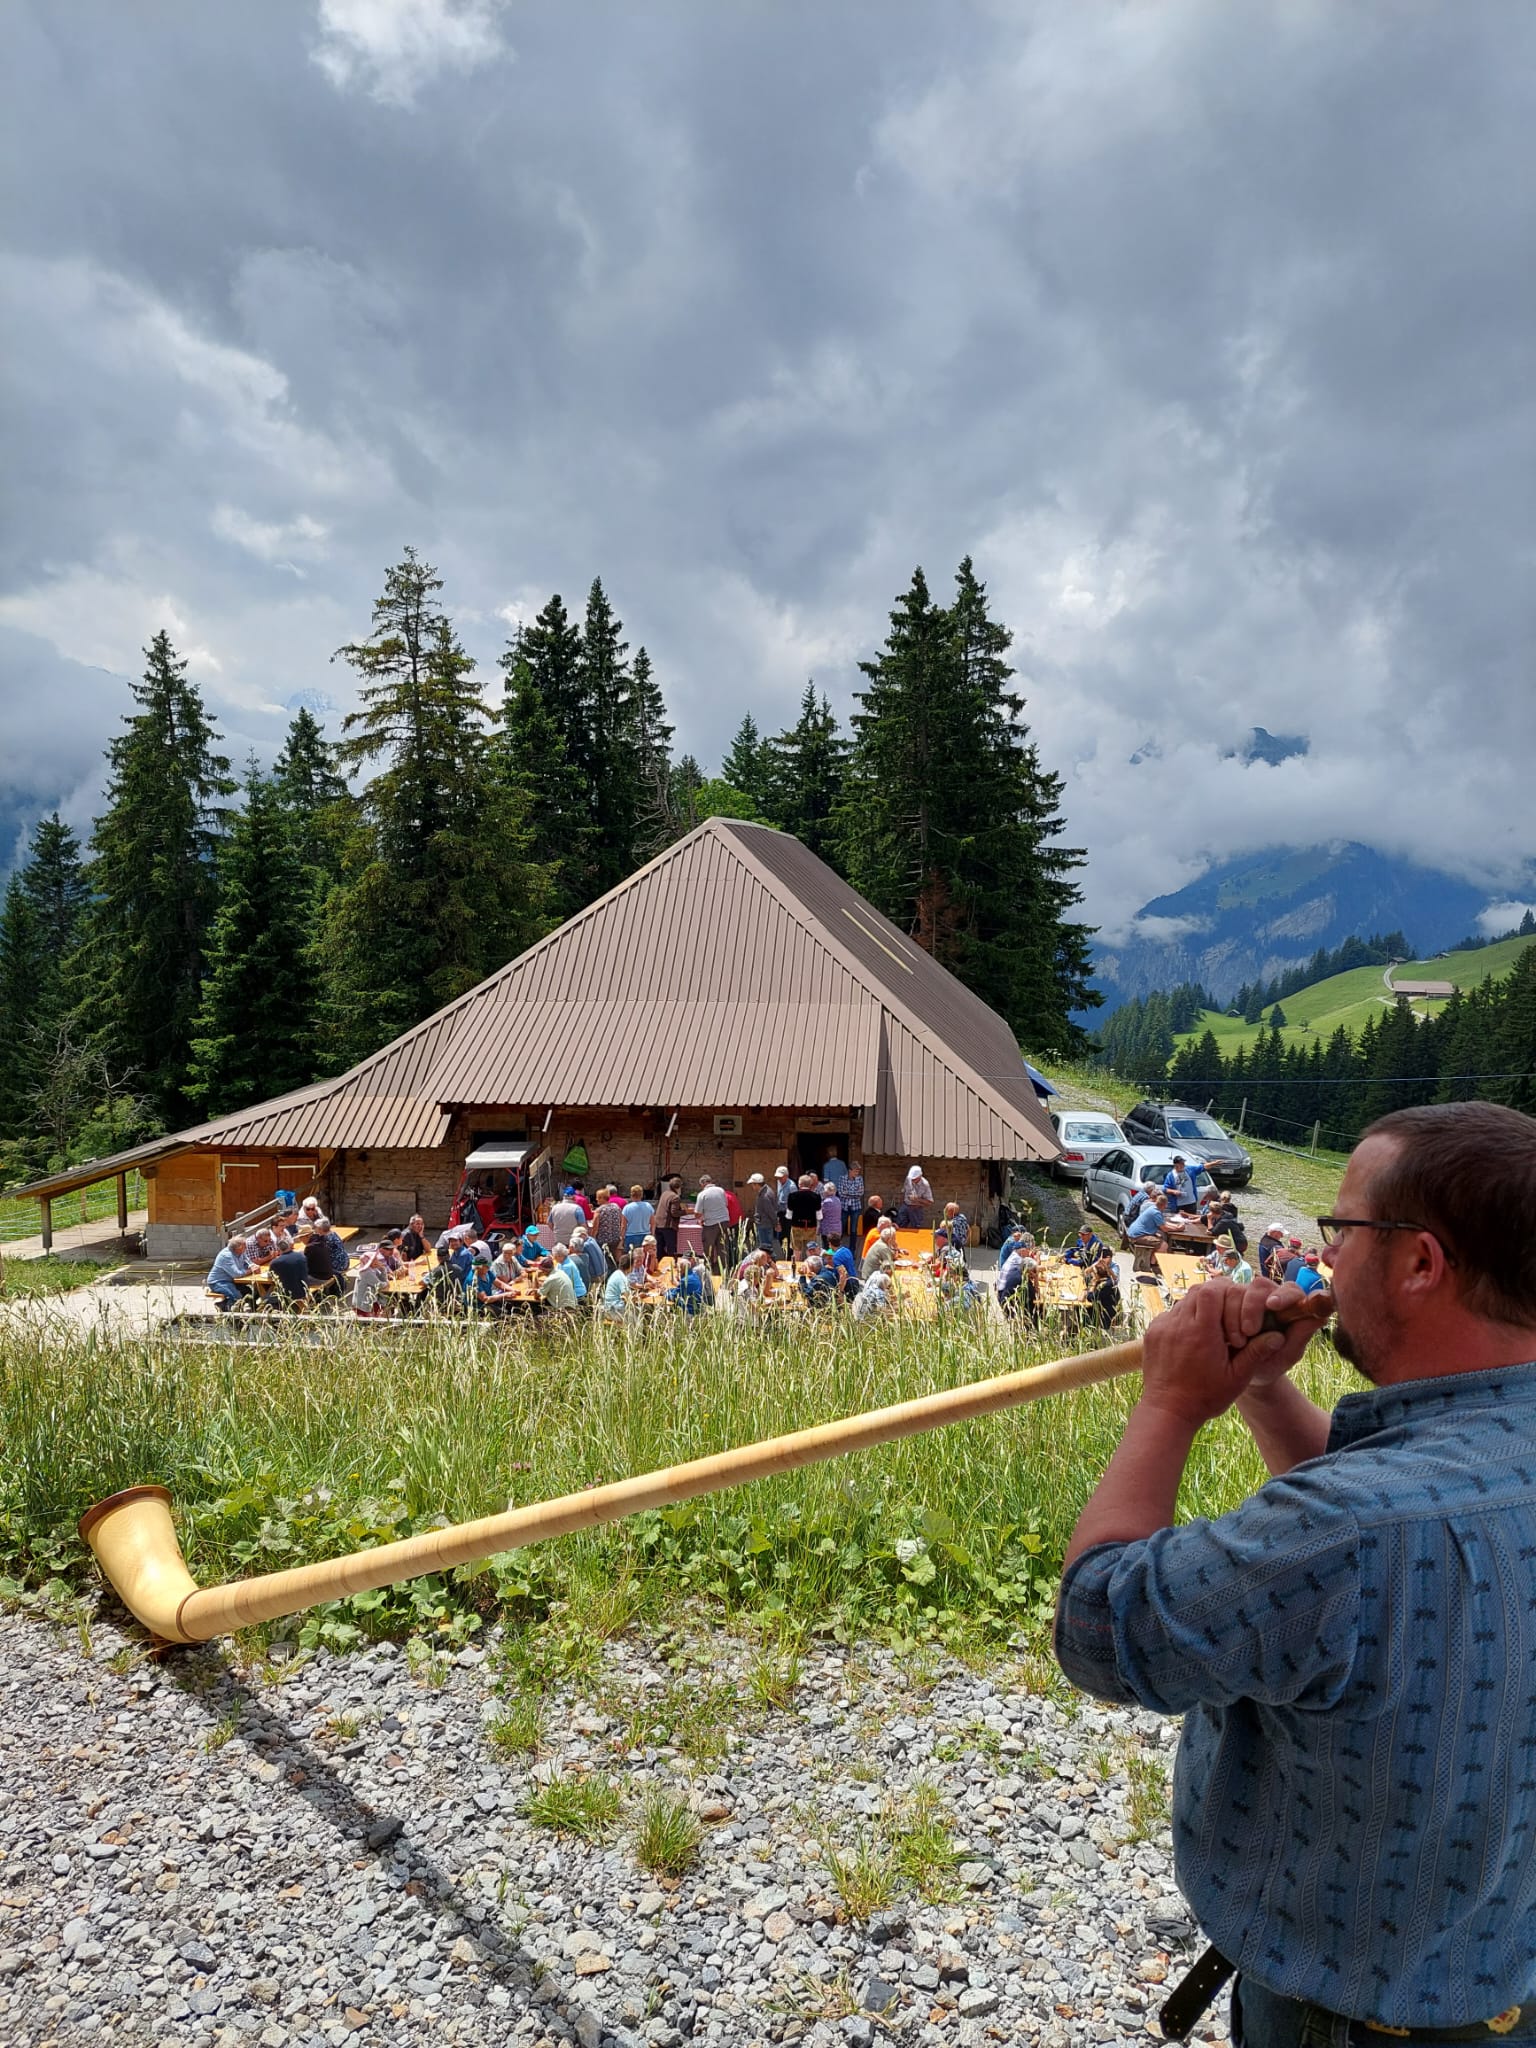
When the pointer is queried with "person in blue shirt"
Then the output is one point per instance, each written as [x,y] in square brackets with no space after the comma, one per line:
[688,1292]
[226,1273]
[847,1271]
[1308,1278]
[570,1265]
[1179,1185]
[1146,1234]
[1351,1648]
[818,1283]
[1087,1249]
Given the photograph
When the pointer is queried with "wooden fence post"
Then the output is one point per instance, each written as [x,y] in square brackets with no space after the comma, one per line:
[122,1203]
[1315,1129]
[47,1223]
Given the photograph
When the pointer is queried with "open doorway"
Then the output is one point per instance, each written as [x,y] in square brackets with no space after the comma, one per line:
[814,1148]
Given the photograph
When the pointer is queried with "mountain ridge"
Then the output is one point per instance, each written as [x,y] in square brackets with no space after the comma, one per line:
[1254,917]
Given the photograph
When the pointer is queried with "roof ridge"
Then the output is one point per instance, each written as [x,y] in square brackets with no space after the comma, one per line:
[867,978]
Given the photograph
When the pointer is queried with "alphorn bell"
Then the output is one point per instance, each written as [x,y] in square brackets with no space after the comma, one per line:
[134,1538]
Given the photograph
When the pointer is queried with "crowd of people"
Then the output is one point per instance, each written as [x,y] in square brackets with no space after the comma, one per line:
[821,1236]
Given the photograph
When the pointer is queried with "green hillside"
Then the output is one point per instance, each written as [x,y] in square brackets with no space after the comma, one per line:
[1348,999]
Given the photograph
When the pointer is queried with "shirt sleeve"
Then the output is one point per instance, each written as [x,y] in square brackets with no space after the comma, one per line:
[1262,1604]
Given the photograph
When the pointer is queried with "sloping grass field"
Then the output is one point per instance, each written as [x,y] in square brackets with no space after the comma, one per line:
[1348,999]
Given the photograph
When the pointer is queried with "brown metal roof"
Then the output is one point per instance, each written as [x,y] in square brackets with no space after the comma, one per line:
[733,970]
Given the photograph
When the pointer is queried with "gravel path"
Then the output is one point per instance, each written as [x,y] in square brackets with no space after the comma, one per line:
[311,1851]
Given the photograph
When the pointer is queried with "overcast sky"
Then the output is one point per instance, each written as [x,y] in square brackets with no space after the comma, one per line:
[1206,329]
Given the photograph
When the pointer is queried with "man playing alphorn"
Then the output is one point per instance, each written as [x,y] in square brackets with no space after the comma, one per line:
[1354,1648]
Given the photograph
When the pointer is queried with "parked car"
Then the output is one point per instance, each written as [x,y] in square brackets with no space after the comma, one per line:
[1084,1137]
[1108,1187]
[1193,1133]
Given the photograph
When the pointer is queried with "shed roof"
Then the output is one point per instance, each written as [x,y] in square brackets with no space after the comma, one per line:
[734,970]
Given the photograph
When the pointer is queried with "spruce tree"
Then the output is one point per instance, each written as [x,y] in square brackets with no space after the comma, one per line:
[540,784]
[23,966]
[154,881]
[650,741]
[435,891]
[255,1029]
[950,822]
[802,777]
[748,766]
[1514,1037]
[603,742]
[310,788]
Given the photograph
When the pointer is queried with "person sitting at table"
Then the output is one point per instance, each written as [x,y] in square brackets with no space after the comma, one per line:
[509,1263]
[874,1299]
[1148,1235]
[1103,1285]
[615,1302]
[594,1264]
[262,1247]
[1017,1238]
[308,1212]
[1179,1185]
[687,1292]
[485,1292]
[881,1256]
[916,1205]
[957,1226]
[638,1213]
[555,1289]
[1308,1278]
[1271,1245]
[954,1288]
[1221,1217]
[1234,1266]
[1086,1249]
[227,1271]
[413,1239]
[290,1271]
[373,1270]
[756,1272]
[848,1270]
[326,1257]
[869,1222]
[1292,1264]
[765,1214]
[818,1283]
[1017,1277]
[571,1267]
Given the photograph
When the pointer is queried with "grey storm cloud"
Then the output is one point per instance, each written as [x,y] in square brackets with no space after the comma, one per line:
[1205,330]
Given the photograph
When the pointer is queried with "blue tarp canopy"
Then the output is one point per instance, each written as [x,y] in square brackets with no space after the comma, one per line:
[1043,1087]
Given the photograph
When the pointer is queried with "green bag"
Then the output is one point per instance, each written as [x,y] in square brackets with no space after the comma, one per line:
[575,1160]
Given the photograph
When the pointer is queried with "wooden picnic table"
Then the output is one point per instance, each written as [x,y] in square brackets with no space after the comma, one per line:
[1181,1272]
[1058,1285]
[1190,1232]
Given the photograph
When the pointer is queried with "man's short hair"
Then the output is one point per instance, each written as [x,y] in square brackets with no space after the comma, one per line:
[1467,1172]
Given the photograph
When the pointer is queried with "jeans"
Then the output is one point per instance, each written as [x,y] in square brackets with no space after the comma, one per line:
[1263,2019]
[227,1292]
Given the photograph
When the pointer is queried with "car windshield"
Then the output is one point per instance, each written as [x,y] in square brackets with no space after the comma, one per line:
[1092,1134]
[1194,1127]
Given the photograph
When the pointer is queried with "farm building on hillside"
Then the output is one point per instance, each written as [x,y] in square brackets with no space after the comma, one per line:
[732,1005]
[1438,989]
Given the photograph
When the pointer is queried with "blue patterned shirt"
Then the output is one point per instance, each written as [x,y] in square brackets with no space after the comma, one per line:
[1354,1649]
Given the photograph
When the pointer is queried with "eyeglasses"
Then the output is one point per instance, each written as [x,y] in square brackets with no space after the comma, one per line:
[1332,1229]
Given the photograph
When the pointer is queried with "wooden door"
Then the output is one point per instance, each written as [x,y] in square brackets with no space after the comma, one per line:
[247,1184]
[752,1159]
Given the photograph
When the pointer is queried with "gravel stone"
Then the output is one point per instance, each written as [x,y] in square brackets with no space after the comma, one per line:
[286,1889]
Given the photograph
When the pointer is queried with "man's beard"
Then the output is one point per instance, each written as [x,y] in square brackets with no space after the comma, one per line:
[1349,1347]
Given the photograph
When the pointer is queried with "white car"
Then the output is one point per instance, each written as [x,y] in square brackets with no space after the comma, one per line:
[1084,1136]
[1108,1186]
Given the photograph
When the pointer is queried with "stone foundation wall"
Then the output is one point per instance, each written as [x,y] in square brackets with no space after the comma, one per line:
[174,1242]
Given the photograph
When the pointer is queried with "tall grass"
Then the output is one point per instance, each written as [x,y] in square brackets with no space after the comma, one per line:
[301,1448]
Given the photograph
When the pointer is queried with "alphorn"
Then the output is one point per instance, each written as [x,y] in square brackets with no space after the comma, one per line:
[134,1538]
